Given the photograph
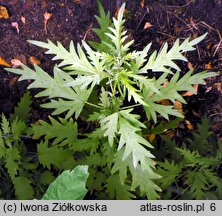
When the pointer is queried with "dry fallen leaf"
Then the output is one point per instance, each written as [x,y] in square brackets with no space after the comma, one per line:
[12,82]
[218,86]
[189,125]
[142,3]
[170,133]
[190,65]
[177,29]
[147,25]
[77,1]
[23,19]
[164,102]
[47,16]
[190,93]
[15,25]
[4,12]
[178,105]
[4,63]
[208,66]
[34,60]
[15,63]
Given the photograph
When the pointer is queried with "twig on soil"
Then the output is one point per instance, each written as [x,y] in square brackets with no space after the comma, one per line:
[175,6]
[163,33]
[87,31]
[147,11]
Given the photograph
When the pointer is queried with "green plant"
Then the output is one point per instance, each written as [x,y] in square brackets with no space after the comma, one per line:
[19,167]
[69,185]
[119,158]
[189,169]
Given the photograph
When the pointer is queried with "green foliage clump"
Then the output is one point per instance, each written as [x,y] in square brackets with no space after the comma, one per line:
[190,170]
[103,85]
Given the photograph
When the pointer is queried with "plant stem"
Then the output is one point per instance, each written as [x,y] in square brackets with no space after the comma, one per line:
[93,105]
[131,106]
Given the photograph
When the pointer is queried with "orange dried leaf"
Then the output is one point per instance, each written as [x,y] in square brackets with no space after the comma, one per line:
[177,29]
[189,125]
[142,3]
[164,102]
[209,45]
[147,25]
[4,63]
[77,1]
[190,93]
[4,12]
[190,65]
[34,60]
[47,16]
[178,105]
[208,66]
[23,19]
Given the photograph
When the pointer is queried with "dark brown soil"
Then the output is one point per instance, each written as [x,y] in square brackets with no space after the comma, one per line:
[74,19]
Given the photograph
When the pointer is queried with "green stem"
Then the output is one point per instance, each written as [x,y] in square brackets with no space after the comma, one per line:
[93,105]
[131,106]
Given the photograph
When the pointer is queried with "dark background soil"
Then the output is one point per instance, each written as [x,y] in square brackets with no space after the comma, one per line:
[74,20]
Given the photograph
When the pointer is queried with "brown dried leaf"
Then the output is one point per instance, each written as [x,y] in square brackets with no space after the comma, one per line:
[208,66]
[177,29]
[190,65]
[142,3]
[47,16]
[33,60]
[12,82]
[147,25]
[218,86]
[23,19]
[178,105]
[189,125]
[189,93]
